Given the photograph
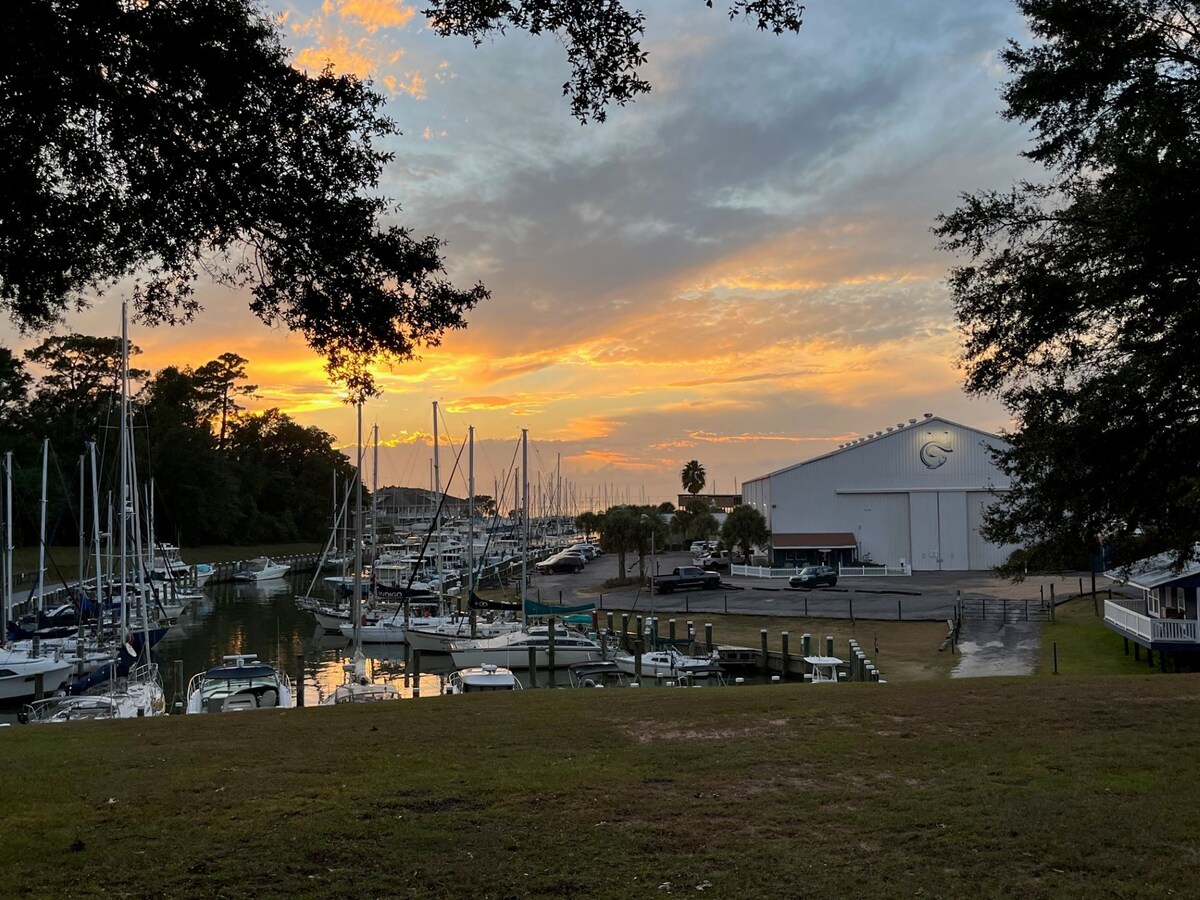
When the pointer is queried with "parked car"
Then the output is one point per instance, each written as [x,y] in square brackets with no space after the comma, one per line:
[588,550]
[561,562]
[812,576]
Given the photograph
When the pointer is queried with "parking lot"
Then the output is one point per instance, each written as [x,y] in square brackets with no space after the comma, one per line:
[924,595]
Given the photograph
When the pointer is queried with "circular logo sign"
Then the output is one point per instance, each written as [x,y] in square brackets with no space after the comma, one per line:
[935,453]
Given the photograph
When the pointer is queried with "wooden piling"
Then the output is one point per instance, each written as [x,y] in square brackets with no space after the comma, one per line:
[300,680]
[416,663]
[783,638]
[765,659]
[550,655]
[708,640]
[637,659]
[533,667]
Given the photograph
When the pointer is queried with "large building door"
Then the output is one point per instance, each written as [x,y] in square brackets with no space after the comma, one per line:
[923,526]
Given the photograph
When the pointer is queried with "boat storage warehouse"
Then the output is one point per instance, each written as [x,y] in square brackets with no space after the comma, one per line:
[913,494]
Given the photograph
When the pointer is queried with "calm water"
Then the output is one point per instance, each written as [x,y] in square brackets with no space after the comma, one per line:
[263,619]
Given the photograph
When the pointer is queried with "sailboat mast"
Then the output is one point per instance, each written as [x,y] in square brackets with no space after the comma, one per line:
[82,529]
[95,516]
[41,585]
[524,517]
[437,510]
[123,478]
[6,606]
[375,494]
[471,526]
[356,598]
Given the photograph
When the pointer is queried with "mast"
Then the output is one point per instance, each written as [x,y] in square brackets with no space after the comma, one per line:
[356,597]
[41,584]
[6,606]
[123,481]
[95,517]
[524,516]
[437,511]
[82,530]
[471,526]
[375,495]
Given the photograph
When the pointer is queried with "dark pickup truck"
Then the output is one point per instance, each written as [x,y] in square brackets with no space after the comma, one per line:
[687,578]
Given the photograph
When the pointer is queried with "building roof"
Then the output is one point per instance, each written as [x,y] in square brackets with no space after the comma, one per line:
[813,540]
[1154,572]
[892,431]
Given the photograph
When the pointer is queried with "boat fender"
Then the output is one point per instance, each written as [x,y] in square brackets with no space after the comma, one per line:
[588,682]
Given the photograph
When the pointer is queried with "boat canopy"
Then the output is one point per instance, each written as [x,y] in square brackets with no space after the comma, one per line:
[534,608]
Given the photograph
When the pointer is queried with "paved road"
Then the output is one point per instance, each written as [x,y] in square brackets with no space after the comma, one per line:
[925,595]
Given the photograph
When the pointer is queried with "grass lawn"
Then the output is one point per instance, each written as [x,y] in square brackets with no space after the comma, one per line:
[1066,787]
[1085,645]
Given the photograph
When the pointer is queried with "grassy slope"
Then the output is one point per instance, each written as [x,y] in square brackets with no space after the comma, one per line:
[1030,787]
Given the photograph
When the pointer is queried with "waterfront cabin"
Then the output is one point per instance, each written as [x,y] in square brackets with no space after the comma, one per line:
[1164,617]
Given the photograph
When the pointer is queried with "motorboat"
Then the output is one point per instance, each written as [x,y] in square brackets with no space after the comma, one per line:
[168,565]
[479,679]
[513,649]
[261,569]
[665,662]
[604,673]
[21,673]
[241,682]
[358,687]
[823,669]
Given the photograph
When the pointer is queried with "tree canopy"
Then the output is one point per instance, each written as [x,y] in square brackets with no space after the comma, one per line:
[692,477]
[171,139]
[1078,300]
[745,528]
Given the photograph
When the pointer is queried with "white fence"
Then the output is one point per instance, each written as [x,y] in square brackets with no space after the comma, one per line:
[1128,617]
[843,571]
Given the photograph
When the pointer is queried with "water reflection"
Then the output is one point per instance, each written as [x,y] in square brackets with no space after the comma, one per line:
[263,619]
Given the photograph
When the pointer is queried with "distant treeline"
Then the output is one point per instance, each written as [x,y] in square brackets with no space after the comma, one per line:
[220,475]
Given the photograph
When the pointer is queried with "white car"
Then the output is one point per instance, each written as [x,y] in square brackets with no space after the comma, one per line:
[588,550]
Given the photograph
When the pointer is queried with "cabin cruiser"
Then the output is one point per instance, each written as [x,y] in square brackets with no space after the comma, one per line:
[21,672]
[513,650]
[667,662]
[439,638]
[241,682]
[481,679]
[260,569]
[135,696]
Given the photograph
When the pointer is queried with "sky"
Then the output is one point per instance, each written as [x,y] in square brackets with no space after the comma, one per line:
[737,268]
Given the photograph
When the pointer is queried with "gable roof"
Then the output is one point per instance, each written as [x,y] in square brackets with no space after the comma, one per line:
[1154,572]
[901,428]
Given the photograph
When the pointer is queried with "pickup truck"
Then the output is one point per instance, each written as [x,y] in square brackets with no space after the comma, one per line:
[687,578]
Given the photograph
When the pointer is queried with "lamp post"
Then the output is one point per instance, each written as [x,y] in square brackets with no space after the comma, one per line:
[652,561]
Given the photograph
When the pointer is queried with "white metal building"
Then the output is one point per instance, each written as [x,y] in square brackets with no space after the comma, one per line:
[913,494]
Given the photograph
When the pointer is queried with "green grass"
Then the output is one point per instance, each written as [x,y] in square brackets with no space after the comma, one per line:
[1086,646]
[1033,787]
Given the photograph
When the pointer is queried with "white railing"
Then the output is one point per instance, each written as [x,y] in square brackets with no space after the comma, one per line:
[872,571]
[1127,616]
[843,571]
[762,572]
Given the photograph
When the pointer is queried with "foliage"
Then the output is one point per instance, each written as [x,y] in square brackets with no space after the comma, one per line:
[588,522]
[1077,301]
[692,476]
[269,484]
[746,528]
[618,534]
[175,139]
[601,39]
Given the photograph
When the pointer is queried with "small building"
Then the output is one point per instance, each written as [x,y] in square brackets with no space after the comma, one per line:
[911,495]
[1165,616]
[717,502]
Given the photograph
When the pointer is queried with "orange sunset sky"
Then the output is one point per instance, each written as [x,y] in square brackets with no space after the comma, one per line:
[737,268]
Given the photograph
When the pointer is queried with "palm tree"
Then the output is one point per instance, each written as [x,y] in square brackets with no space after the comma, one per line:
[745,527]
[618,529]
[692,476]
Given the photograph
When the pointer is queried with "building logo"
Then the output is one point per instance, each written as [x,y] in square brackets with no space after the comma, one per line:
[934,453]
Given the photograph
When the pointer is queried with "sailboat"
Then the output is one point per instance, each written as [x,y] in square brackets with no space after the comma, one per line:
[130,686]
[512,650]
[358,687]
